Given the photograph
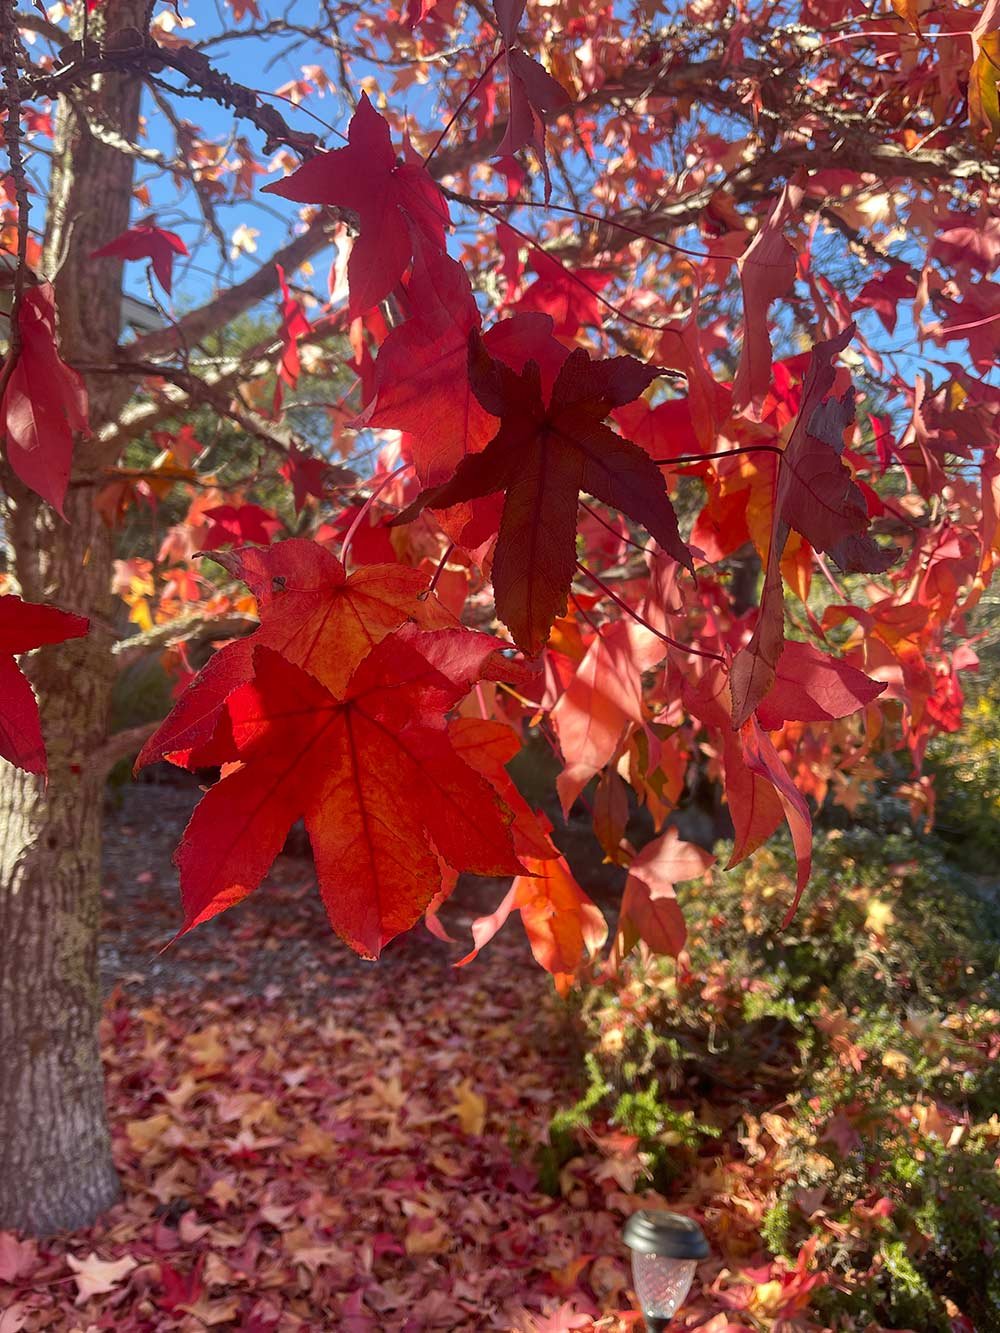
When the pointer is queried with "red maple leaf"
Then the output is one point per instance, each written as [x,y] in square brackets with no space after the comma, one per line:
[817,496]
[422,383]
[44,402]
[531,92]
[570,296]
[390,198]
[759,791]
[421,375]
[767,271]
[650,911]
[488,747]
[543,455]
[562,923]
[374,775]
[371,543]
[811,686]
[23,626]
[307,475]
[884,293]
[294,325]
[602,698]
[146,242]
[312,612]
[238,523]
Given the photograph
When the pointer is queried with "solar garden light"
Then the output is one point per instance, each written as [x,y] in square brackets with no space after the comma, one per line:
[666,1248]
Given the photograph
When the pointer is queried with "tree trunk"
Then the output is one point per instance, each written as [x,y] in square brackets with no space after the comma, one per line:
[56,1170]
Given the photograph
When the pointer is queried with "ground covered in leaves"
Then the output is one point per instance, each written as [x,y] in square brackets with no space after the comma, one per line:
[311,1142]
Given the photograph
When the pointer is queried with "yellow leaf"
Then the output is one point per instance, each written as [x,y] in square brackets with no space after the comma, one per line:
[210,1312]
[470,1108]
[880,916]
[908,11]
[145,1134]
[426,1237]
[95,1277]
[140,615]
[767,1298]
[206,1050]
[315,1142]
[984,93]
[896,1062]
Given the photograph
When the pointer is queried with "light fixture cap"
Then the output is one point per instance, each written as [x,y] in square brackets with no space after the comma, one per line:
[669,1235]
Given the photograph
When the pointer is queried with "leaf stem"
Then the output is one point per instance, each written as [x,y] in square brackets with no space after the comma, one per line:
[440,569]
[605,221]
[622,536]
[403,467]
[461,107]
[579,282]
[641,620]
[719,453]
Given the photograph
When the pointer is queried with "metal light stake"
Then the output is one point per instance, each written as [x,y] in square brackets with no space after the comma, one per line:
[666,1248]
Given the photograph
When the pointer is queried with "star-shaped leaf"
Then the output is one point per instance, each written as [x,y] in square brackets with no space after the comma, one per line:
[373,773]
[311,611]
[391,199]
[543,455]
[147,242]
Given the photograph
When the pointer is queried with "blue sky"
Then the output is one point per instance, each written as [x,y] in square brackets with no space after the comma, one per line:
[265,64]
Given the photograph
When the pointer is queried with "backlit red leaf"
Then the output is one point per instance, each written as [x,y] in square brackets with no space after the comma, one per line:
[44,403]
[650,910]
[312,612]
[389,197]
[603,697]
[564,926]
[147,242]
[373,774]
[811,686]
[817,496]
[24,626]
[767,271]
[542,456]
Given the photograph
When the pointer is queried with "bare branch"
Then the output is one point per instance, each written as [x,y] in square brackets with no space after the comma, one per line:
[12,58]
[36,23]
[193,327]
[193,628]
[122,745]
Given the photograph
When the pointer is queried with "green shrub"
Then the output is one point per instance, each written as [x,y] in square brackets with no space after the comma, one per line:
[865,1036]
[966,769]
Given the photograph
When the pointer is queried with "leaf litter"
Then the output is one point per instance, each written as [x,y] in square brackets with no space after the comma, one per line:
[310,1141]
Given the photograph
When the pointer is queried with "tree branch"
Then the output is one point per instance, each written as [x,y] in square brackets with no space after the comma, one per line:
[122,745]
[193,327]
[11,57]
[192,628]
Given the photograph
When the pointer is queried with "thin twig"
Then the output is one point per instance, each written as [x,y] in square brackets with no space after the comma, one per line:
[641,620]
[11,56]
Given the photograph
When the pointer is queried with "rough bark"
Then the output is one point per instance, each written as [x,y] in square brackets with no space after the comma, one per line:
[55,1159]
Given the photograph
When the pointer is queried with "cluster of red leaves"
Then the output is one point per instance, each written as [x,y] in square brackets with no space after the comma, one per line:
[512,412]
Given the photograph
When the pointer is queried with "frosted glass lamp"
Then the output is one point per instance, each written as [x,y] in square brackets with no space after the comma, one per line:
[666,1248]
